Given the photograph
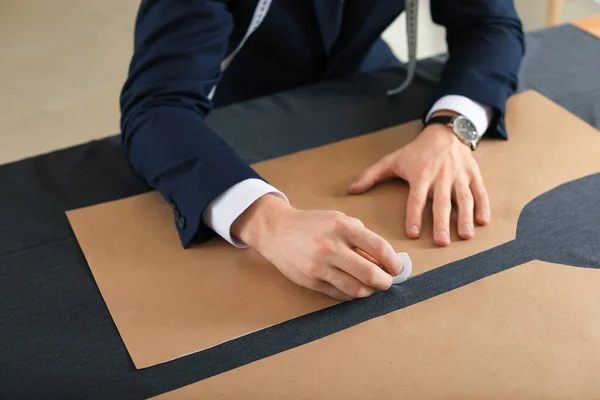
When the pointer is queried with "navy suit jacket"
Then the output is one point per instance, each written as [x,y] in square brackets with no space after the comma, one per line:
[180,44]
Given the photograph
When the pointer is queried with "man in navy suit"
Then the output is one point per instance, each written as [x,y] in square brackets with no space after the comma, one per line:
[193,55]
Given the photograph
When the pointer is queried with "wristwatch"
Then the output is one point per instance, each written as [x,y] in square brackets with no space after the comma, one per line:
[462,128]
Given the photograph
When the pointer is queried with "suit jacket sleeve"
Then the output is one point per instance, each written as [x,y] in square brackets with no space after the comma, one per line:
[486,46]
[179,46]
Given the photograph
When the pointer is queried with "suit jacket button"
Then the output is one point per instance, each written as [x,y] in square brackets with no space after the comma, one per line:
[180,222]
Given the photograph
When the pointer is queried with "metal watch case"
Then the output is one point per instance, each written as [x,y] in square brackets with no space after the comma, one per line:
[465,131]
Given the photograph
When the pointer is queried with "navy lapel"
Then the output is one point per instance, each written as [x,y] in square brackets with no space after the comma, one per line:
[363,22]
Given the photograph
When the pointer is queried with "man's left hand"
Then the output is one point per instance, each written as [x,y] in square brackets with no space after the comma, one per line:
[436,165]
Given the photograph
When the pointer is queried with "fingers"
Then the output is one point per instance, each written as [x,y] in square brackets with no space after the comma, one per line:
[415,205]
[363,270]
[467,198]
[347,284]
[378,248]
[337,249]
[442,207]
[465,203]
[331,291]
[371,176]
[482,202]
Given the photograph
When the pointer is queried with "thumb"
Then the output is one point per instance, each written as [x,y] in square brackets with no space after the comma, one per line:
[371,176]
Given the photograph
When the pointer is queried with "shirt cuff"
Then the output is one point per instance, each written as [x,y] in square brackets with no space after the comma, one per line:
[479,114]
[222,212]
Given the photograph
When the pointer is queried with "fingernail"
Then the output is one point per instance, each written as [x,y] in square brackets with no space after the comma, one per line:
[467,228]
[406,269]
[485,216]
[400,268]
[413,230]
[442,237]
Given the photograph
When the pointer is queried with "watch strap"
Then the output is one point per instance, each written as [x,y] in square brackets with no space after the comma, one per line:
[440,120]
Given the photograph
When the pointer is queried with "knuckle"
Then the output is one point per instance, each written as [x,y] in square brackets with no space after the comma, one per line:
[474,168]
[464,196]
[416,206]
[388,160]
[417,198]
[370,277]
[442,202]
[356,292]
[415,195]
[364,292]
[463,183]
[341,223]
[313,284]
[396,168]
[445,168]
[447,175]
[325,247]
[357,222]
[423,175]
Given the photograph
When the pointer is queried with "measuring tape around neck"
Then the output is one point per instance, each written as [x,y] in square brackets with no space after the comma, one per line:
[260,12]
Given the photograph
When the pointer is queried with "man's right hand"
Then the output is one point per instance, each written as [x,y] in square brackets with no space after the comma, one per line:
[318,249]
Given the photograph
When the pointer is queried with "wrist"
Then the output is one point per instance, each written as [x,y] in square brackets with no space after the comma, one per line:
[441,135]
[258,219]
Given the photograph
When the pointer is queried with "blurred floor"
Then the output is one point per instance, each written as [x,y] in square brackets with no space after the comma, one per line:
[64,61]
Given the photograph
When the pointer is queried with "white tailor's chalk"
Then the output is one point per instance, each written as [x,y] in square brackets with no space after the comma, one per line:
[407,263]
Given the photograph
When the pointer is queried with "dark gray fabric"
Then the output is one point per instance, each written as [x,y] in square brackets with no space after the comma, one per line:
[564,65]
[57,339]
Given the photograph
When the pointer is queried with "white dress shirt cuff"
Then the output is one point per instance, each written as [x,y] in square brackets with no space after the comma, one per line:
[479,114]
[221,213]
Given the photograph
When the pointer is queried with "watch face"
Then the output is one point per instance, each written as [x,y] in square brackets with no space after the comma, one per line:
[465,128]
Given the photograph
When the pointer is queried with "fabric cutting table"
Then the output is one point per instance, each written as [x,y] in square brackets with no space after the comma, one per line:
[57,338]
